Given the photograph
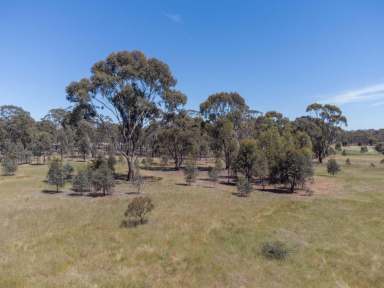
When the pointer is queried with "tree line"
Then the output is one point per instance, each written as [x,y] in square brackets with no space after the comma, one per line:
[129,107]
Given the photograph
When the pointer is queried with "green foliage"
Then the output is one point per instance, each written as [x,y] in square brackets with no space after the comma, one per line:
[56,174]
[363,149]
[164,160]
[102,179]
[333,167]
[344,153]
[190,171]
[274,250]
[247,157]
[295,169]
[213,174]
[9,165]
[138,210]
[338,146]
[244,186]
[82,181]
[68,171]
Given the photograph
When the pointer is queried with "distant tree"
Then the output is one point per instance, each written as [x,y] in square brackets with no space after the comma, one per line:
[190,171]
[229,105]
[333,167]
[179,137]
[82,181]
[363,149]
[138,210]
[9,165]
[323,127]
[244,186]
[213,174]
[247,157]
[55,174]
[295,169]
[68,171]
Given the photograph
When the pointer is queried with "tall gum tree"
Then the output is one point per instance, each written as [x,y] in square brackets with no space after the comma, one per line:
[131,89]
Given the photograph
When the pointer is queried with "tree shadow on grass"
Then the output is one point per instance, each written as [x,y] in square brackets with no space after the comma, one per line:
[276,190]
[123,177]
[50,191]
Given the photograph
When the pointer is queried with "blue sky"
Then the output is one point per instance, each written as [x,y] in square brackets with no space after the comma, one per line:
[279,55]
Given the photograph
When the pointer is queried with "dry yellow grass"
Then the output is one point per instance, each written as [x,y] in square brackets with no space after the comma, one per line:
[197,236]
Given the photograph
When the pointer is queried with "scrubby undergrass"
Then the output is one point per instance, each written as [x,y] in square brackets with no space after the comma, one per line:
[196,236]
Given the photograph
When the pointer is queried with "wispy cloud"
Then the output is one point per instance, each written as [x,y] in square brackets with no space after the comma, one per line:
[176,18]
[373,94]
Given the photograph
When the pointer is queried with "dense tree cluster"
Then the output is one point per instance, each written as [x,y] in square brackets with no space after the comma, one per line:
[129,107]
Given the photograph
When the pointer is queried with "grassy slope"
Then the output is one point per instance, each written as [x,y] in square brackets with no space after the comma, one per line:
[196,236]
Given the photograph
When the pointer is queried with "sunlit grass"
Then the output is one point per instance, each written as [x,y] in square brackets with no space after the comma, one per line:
[197,236]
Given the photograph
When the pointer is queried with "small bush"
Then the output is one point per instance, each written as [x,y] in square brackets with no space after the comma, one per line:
[338,146]
[55,174]
[137,211]
[164,160]
[274,250]
[68,170]
[190,172]
[372,165]
[344,153]
[9,165]
[213,174]
[82,181]
[363,149]
[102,179]
[244,187]
[382,161]
[333,167]
[348,162]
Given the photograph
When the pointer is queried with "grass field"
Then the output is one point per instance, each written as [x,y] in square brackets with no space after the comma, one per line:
[197,236]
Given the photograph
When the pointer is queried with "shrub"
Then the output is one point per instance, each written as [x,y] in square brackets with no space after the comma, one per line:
[344,153]
[56,174]
[295,169]
[382,161]
[363,149]
[68,170]
[82,181]
[147,162]
[137,210]
[348,162]
[372,165]
[274,250]
[338,146]
[219,164]
[9,165]
[333,167]
[102,179]
[244,187]
[190,172]
[213,174]
[164,160]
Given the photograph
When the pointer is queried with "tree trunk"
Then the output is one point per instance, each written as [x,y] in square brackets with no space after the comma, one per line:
[131,168]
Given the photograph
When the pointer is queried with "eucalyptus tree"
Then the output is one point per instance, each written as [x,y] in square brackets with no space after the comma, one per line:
[130,88]
[228,105]
[323,126]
